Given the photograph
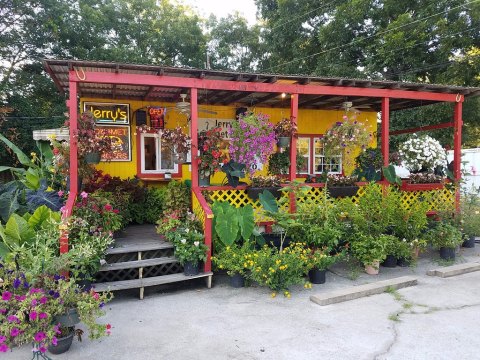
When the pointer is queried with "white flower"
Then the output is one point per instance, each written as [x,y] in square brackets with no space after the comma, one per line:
[183,241]
[196,243]
[187,230]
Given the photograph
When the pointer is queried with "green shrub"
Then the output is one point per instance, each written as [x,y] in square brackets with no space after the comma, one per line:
[154,204]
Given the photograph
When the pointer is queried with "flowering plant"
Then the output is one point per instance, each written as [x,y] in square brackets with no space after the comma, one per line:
[341,180]
[89,140]
[61,157]
[286,128]
[98,212]
[343,136]
[235,259]
[425,178]
[175,140]
[265,181]
[320,259]
[211,157]
[422,153]
[252,140]
[189,246]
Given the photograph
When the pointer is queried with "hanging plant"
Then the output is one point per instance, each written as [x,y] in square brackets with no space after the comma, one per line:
[176,140]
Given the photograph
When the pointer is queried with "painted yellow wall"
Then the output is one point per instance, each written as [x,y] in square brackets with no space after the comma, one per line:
[309,122]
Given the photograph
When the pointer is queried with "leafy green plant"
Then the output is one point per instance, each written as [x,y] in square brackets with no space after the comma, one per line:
[369,248]
[444,235]
[154,204]
[470,212]
[190,247]
[234,171]
[235,259]
[320,259]
[369,164]
[177,197]
[390,175]
[279,162]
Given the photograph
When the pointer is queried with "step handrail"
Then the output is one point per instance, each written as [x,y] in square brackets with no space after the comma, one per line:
[200,204]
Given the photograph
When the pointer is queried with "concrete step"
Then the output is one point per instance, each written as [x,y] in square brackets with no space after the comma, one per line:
[454,270]
[359,291]
[138,263]
[140,283]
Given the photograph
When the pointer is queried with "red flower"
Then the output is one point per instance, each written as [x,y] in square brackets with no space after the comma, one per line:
[115,211]
[108,207]
[108,326]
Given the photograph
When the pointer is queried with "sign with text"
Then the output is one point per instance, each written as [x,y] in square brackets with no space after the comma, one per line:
[121,143]
[108,113]
[208,124]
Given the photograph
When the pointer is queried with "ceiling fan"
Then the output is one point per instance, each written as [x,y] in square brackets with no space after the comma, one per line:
[347,106]
[183,107]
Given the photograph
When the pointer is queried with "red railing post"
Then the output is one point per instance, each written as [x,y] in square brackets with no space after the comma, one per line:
[457,148]
[194,134]
[293,149]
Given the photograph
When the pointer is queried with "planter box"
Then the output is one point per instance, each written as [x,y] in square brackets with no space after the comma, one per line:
[342,191]
[421,187]
[253,192]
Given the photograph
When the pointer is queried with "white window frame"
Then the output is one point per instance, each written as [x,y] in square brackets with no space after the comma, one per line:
[322,156]
[158,153]
[307,156]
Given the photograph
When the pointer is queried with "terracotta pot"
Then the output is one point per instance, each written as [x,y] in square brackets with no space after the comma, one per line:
[372,269]
[415,252]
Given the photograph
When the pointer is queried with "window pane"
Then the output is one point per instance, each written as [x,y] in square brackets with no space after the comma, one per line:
[167,158]
[149,153]
[303,149]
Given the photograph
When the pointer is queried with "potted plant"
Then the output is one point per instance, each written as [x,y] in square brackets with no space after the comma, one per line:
[237,260]
[446,238]
[368,164]
[392,247]
[211,157]
[92,145]
[190,250]
[177,142]
[470,217]
[318,262]
[284,130]
[261,183]
[252,141]
[279,163]
[370,251]
[422,153]
[339,185]
[234,172]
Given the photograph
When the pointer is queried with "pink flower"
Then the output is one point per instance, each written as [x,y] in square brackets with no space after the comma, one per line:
[84,195]
[43,349]
[14,332]
[43,300]
[60,193]
[2,339]
[40,336]
[32,316]
[7,295]
[43,315]
[4,348]
[13,318]
[3,311]
[108,207]
[54,341]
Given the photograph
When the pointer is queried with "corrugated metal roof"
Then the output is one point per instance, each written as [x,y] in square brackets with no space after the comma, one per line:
[58,70]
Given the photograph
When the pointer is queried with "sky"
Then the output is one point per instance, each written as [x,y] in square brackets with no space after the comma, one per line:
[221,8]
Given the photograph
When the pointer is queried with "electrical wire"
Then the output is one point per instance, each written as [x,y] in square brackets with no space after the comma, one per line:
[371,36]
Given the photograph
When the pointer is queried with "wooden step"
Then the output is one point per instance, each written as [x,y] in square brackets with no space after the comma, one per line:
[151,281]
[139,247]
[139,263]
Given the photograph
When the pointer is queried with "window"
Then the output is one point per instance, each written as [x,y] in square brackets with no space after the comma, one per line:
[153,158]
[310,147]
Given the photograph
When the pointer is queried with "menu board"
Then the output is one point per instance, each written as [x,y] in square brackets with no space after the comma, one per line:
[120,136]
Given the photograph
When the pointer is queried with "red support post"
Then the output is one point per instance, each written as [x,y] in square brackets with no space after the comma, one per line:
[385,141]
[194,134]
[457,149]
[293,149]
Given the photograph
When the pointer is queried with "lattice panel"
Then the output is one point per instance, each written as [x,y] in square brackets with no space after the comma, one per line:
[440,199]
[198,210]
[115,258]
[164,269]
[239,198]
[116,275]
[152,254]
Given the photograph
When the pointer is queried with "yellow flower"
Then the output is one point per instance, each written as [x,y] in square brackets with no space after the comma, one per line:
[286,294]
[282,267]
[32,154]
[273,294]
[220,266]
[278,262]
[228,248]
[245,264]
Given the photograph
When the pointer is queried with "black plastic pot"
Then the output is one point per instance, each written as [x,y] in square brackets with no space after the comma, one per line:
[189,269]
[389,262]
[63,343]
[317,276]
[342,191]
[447,253]
[470,243]
[237,280]
[71,318]
[254,192]
[402,262]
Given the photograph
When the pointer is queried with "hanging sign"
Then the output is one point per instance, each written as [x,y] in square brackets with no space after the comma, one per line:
[208,124]
[109,113]
[157,117]
[121,144]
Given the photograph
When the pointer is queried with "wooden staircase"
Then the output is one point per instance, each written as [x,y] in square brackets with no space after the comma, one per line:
[140,258]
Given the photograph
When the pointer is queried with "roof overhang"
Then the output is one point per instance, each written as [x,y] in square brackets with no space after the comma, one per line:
[116,81]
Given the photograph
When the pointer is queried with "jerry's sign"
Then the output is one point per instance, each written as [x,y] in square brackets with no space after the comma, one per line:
[108,113]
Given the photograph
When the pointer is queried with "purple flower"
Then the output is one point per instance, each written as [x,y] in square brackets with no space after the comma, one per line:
[43,315]
[7,295]
[43,349]
[20,298]
[4,348]
[43,300]
[2,339]
[26,285]
[34,302]
[54,341]
[102,304]
[14,332]
[33,315]
[16,283]
[13,318]
[3,311]
[40,336]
